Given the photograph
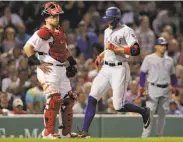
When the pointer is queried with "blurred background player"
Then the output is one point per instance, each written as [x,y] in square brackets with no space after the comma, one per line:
[160,69]
[50,44]
[119,40]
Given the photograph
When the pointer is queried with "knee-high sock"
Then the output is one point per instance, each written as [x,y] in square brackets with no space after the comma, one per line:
[90,113]
[129,107]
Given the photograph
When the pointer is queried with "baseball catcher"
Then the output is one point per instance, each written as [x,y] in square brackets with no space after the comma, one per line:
[47,49]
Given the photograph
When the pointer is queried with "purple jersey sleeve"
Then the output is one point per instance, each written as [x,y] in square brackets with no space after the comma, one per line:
[142,79]
[174,81]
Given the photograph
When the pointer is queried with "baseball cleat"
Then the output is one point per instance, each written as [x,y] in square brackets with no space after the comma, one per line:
[74,135]
[49,136]
[83,134]
[146,117]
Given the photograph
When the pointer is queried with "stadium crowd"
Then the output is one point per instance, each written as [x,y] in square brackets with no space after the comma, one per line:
[20,90]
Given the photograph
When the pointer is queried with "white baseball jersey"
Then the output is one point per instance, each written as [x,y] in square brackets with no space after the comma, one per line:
[56,80]
[159,69]
[122,36]
[116,77]
[41,45]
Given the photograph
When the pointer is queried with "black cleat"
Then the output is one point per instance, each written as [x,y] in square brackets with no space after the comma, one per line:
[74,135]
[83,134]
[146,117]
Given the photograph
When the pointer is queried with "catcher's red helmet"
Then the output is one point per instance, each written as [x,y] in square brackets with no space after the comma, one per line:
[51,8]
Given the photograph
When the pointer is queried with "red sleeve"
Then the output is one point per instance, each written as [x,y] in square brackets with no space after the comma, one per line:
[44,33]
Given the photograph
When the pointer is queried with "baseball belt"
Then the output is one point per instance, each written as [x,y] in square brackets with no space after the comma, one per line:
[160,85]
[113,64]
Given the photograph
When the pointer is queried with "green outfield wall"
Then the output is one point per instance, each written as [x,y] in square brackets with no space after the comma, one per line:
[102,126]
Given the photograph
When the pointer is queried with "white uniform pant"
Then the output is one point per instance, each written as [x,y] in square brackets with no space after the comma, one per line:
[159,103]
[117,78]
[55,81]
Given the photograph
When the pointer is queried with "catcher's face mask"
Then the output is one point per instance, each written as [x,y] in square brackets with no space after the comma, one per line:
[51,9]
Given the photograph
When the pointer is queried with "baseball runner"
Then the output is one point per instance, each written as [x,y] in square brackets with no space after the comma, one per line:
[119,41]
[47,49]
[160,70]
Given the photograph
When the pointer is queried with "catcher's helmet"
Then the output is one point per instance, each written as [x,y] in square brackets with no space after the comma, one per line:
[114,14]
[51,8]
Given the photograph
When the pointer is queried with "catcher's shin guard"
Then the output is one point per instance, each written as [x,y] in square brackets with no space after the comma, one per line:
[67,115]
[50,113]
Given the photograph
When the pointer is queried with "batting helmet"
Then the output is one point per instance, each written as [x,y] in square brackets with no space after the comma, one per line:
[114,14]
[51,8]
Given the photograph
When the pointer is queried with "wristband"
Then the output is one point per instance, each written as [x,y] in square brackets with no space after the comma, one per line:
[33,60]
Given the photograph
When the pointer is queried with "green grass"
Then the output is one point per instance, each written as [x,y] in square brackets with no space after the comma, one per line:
[165,139]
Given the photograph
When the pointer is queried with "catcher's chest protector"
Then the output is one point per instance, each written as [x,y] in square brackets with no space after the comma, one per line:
[58,48]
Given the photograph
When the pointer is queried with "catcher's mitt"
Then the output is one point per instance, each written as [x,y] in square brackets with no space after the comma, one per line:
[71,71]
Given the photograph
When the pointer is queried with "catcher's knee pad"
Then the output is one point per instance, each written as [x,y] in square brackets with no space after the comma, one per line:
[50,113]
[67,114]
